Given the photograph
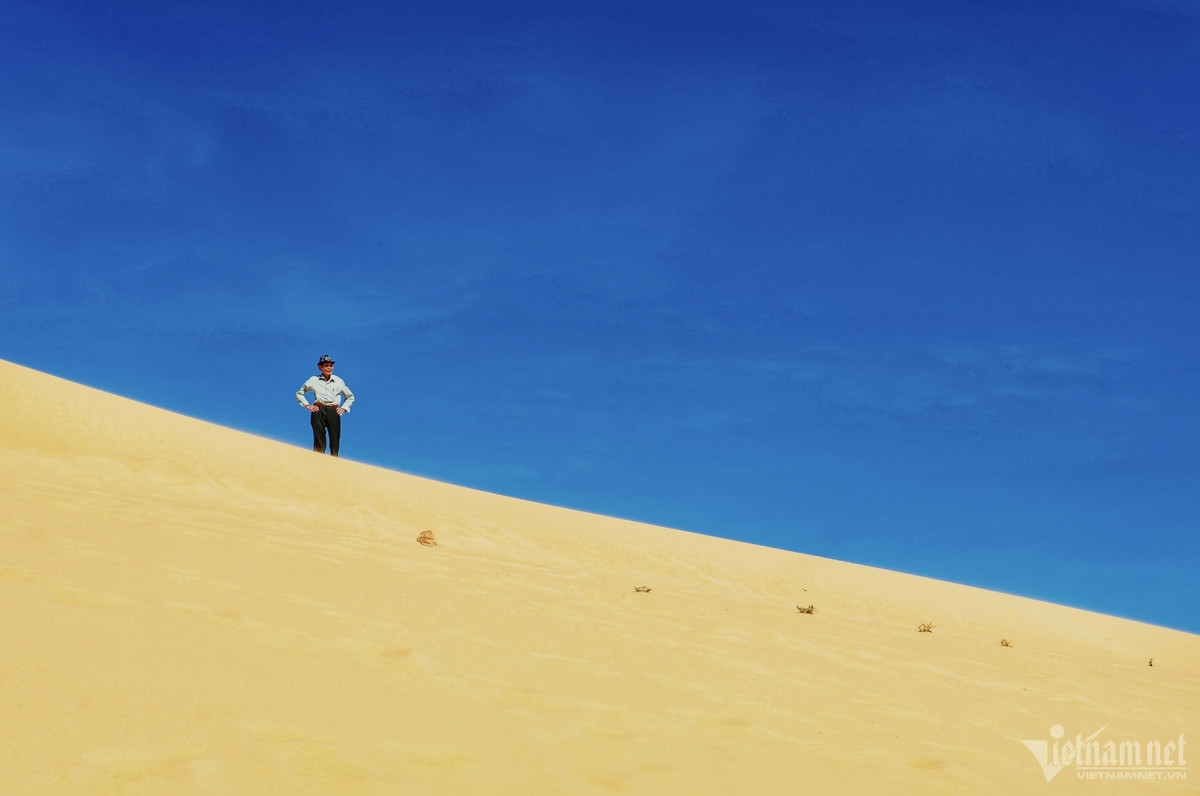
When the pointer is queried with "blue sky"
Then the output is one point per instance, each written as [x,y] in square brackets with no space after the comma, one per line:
[906,284]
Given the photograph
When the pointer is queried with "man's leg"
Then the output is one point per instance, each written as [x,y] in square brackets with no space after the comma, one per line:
[334,421]
[318,427]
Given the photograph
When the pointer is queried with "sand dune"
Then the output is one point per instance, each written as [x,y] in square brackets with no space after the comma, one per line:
[190,609]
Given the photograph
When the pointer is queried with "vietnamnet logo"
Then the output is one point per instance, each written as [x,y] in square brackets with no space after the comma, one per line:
[1095,758]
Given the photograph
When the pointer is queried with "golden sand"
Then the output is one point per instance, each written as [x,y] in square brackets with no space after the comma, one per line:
[190,609]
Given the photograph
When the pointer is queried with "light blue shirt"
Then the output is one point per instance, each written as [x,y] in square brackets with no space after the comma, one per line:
[325,392]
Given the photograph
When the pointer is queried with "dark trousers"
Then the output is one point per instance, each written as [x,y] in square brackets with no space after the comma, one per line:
[326,418]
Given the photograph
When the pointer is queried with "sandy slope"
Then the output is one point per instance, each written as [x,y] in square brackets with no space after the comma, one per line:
[187,608]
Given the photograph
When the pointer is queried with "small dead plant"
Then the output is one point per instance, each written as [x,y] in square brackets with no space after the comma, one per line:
[808,609]
[642,589]
[925,627]
[426,538]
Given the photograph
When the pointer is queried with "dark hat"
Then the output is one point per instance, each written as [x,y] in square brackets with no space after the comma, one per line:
[325,358]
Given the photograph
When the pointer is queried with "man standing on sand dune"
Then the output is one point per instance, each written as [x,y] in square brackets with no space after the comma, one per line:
[326,413]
